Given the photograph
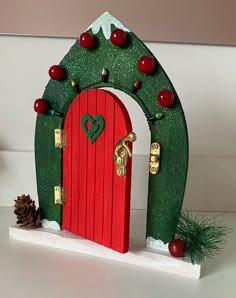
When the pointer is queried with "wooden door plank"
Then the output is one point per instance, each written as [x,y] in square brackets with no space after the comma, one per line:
[66,223]
[91,169]
[83,145]
[75,165]
[121,186]
[108,172]
[99,168]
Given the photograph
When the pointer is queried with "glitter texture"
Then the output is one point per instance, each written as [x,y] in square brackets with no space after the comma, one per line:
[166,189]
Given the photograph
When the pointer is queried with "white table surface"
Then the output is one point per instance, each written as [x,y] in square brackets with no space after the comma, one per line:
[28,270]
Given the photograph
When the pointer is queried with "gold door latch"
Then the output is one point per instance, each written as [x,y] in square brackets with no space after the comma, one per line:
[121,153]
[154,163]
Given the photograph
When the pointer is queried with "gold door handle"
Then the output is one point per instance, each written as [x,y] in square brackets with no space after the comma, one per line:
[121,153]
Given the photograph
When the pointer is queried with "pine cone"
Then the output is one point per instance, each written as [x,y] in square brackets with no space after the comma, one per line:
[26,213]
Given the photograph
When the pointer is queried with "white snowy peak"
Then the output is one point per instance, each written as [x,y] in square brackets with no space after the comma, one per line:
[105,21]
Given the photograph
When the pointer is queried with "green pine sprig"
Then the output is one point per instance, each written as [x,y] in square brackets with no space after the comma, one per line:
[203,237]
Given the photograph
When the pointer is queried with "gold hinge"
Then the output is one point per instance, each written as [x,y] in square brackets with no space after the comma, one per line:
[60,138]
[154,163]
[59,195]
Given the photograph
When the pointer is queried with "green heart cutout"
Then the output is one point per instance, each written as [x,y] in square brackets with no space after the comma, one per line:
[96,126]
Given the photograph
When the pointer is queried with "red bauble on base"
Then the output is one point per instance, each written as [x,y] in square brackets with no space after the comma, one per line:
[177,248]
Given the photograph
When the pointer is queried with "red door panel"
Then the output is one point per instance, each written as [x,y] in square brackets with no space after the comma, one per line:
[97,200]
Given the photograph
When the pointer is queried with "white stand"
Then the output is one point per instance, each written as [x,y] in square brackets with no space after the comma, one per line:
[137,255]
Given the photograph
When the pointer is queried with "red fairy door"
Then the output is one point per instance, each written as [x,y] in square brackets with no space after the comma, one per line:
[97,169]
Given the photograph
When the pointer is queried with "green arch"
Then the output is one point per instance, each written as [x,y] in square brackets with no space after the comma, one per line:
[166,189]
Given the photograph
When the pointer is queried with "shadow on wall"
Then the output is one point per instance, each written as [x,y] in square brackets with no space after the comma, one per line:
[211,184]
[2,161]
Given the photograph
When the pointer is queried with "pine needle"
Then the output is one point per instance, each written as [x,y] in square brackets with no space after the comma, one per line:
[203,237]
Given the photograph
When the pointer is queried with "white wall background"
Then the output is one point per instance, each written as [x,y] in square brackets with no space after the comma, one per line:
[205,80]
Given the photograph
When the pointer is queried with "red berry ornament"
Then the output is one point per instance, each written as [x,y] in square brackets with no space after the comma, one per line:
[55,72]
[177,248]
[118,37]
[146,64]
[165,98]
[87,40]
[40,106]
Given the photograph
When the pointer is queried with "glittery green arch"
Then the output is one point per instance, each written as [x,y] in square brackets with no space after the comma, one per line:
[166,189]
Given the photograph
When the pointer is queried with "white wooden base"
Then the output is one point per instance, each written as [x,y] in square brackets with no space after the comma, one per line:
[138,254]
